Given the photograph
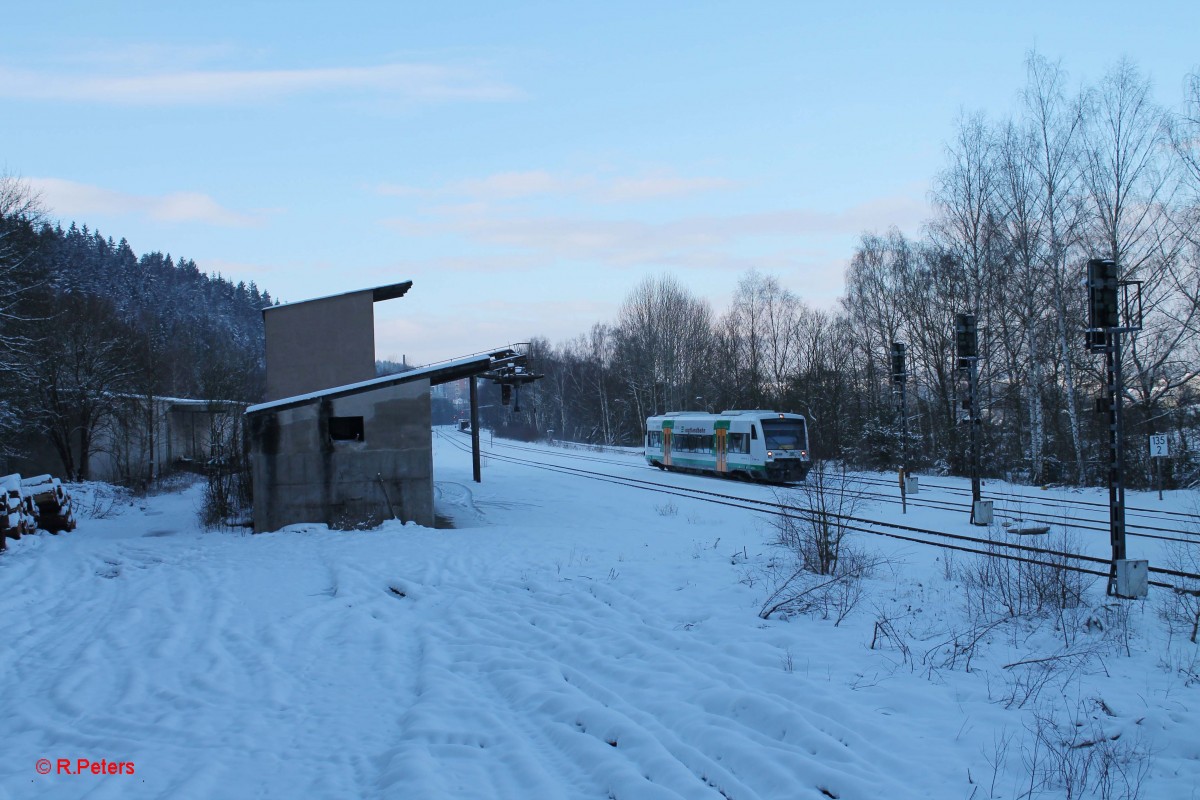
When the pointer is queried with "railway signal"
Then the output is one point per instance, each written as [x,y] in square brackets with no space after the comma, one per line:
[1103,309]
[966,339]
[899,372]
[1114,308]
[966,346]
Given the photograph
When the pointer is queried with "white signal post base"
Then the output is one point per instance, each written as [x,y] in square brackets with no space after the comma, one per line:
[1132,579]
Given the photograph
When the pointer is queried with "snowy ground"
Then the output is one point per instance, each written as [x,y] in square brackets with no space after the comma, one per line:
[570,639]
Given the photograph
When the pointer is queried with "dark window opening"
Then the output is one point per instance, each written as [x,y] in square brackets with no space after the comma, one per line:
[692,443]
[346,429]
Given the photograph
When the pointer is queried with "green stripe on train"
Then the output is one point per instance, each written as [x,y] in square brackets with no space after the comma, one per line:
[676,461]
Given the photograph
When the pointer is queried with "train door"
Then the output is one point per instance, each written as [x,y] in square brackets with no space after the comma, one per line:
[666,431]
[721,444]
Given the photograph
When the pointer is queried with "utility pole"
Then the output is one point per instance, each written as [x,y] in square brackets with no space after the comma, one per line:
[899,379]
[476,473]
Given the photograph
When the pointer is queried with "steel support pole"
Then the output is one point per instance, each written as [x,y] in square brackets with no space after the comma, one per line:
[903,450]
[1116,456]
[475,430]
[973,398]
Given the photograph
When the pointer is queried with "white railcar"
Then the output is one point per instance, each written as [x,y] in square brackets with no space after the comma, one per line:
[762,445]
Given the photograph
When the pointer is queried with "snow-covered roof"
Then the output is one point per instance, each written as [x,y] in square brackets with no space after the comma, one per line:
[388,291]
[443,372]
[179,401]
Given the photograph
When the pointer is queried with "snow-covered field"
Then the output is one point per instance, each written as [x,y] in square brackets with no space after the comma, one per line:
[569,639]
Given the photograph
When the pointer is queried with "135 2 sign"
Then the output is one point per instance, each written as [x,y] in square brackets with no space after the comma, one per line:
[1158,445]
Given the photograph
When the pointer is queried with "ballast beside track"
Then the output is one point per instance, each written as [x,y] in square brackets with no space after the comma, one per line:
[1013,551]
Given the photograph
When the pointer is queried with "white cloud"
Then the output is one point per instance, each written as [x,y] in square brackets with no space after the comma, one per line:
[627,242]
[68,198]
[430,82]
[397,190]
[660,185]
[508,185]
[541,183]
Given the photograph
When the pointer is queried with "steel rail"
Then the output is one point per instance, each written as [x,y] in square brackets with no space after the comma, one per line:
[780,509]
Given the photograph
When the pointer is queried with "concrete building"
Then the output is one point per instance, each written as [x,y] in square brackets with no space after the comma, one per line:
[332,442]
[350,456]
[321,343]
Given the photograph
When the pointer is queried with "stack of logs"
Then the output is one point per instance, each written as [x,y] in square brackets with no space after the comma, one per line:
[33,504]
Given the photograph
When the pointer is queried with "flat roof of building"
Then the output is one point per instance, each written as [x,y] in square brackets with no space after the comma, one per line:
[388,291]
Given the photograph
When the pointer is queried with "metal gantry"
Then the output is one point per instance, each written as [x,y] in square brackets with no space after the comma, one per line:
[509,368]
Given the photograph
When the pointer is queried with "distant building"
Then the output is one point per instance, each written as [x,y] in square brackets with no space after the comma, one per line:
[141,438]
[147,437]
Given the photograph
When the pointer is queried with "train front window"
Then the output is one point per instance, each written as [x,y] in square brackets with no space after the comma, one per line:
[785,434]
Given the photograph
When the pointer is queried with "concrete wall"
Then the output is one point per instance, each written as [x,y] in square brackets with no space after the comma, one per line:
[302,475]
[320,344]
[137,441]
[137,445]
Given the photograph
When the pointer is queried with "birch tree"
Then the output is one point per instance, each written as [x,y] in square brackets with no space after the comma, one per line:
[1056,123]
[1135,221]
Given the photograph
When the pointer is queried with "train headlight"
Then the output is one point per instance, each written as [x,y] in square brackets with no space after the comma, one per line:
[770,454]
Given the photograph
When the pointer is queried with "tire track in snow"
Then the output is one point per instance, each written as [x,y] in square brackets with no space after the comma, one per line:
[593,715]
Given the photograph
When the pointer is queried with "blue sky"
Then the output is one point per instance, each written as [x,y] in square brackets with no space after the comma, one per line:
[524,164]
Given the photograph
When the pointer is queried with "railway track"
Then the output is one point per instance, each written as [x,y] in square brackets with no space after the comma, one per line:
[1014,551]
[1067,502]
[1010,507]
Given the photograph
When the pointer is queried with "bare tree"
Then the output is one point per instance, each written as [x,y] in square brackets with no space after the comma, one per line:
[664,336]
[822,572]
[1185,141]
[1185,131]
[20,211]
[1056,124]
[1021,330]
[817,516]
[761,326]
[1134,189]
[964,195]
[82,358]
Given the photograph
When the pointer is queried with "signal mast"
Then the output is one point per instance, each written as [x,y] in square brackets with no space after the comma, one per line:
[1107,298]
